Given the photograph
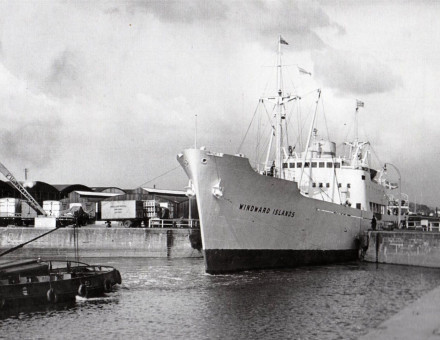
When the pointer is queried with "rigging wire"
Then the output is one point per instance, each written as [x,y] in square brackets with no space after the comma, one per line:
[250,124]
[333,157]
[163,174]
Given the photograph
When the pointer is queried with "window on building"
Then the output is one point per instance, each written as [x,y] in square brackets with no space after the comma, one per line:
[339,185]
[314,185]
[348,185]
[328,185]
[358,205]
[363,177]
[320,185]
[321,164]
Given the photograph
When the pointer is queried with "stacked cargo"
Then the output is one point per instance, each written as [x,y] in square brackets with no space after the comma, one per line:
[152,207]
[10,209]
[53,208]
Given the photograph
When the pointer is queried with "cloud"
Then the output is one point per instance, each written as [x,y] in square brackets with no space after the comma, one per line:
[296,20]
[30,129]
[64,79]
[110,90]
[350,72]
[258,20]
[34,143]
[182,11]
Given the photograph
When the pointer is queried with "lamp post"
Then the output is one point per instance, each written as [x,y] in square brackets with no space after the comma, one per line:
[400,191]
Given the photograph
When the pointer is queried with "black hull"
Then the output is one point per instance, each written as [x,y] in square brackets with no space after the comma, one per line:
[32,283]
[218,261]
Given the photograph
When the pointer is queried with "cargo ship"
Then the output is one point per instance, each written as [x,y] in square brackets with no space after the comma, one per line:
[304,208]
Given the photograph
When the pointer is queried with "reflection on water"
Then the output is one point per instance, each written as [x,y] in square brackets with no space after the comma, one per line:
[162,298]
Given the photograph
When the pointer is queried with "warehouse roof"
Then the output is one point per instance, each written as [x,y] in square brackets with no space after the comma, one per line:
[96,194]
[110,189]
[66,189]
[165,192]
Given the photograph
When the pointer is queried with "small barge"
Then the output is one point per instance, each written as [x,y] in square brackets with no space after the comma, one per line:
[35,282]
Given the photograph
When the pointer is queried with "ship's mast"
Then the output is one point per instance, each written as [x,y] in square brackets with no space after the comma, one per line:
[278,158]
[279,101]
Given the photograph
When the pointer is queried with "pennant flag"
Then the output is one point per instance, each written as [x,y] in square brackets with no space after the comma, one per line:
[282,41]
[301,70]
[359,103]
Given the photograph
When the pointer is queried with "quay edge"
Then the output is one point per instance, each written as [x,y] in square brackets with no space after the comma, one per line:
[403,248]
[104,242]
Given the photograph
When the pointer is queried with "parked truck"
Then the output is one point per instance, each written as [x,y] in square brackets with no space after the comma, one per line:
[130,213]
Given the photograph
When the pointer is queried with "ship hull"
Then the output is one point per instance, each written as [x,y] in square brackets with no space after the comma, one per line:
[219,261]
[251,221]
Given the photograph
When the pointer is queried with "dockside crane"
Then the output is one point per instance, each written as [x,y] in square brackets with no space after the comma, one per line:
[21,189]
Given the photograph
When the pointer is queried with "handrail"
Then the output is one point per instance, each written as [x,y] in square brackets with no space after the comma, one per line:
[173,223]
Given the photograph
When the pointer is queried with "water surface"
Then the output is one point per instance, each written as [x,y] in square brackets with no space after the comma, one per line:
[163,299]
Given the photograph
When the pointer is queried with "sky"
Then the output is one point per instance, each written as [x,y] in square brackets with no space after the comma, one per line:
[107,93]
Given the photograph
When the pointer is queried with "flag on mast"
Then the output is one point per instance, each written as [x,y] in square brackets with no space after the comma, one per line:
[359,103]
[282,41]
[301,70]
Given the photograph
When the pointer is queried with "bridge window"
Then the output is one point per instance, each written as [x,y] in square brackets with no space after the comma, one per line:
[337,165]
[321,164]
[348,185]
[328,185]
[314,185]
[307,164]
[291,165]
[314,164]
[358,205]
[299,165]
[329,165]
[284,165]
[363,177]
[320,185]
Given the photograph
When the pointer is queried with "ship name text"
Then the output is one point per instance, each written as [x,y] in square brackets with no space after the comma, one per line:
[266,210]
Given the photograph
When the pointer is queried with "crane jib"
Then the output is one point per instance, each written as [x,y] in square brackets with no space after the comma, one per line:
[21,189]
[11,178]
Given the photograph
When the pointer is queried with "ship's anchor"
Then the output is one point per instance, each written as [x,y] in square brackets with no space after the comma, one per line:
[217,190]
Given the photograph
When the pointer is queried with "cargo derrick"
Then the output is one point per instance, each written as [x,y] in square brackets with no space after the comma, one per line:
[44,220]
[21,189]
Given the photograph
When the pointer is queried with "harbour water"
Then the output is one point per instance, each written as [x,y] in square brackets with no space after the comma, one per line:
[173,298]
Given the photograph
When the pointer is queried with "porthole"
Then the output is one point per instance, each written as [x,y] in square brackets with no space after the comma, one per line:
[204,161]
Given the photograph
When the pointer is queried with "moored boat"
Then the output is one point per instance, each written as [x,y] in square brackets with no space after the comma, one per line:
[303,208]
[27,282]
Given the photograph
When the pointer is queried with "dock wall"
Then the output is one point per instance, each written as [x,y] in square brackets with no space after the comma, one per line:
[404,247]
[103,242]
